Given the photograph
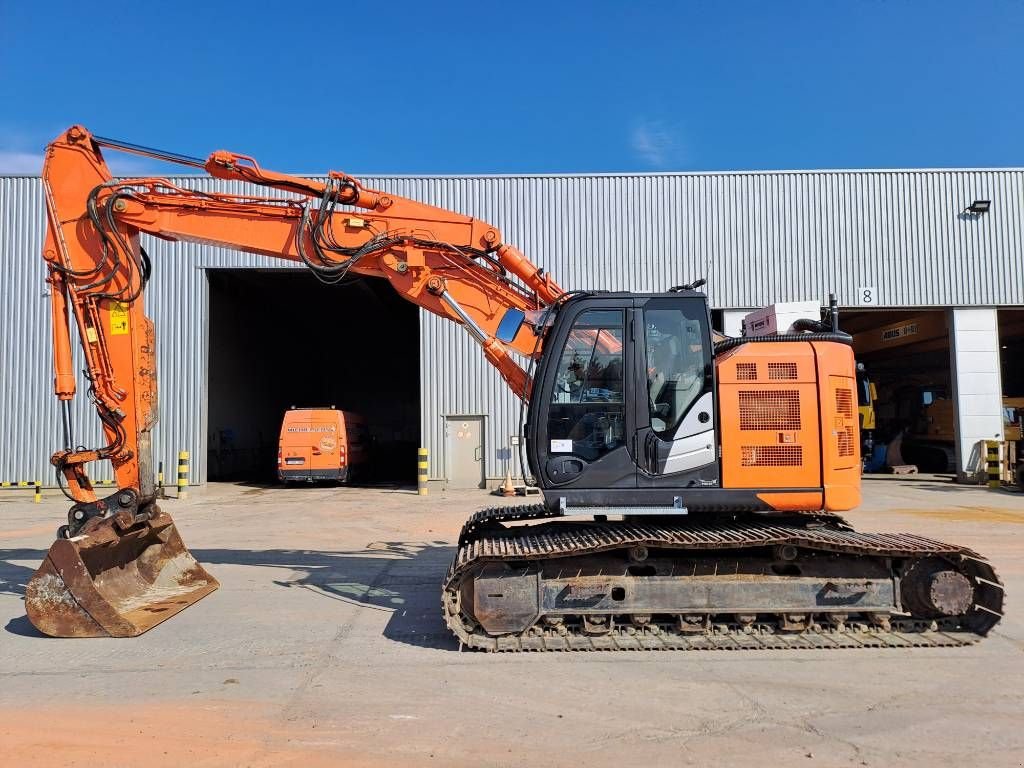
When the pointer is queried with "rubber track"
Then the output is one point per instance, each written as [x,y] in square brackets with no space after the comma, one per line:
[493,518]
[484,539]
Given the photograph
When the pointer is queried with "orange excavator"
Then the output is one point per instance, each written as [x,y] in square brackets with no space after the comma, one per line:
[690,486]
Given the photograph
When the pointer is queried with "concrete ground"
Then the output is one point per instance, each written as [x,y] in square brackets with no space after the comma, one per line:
[325,646]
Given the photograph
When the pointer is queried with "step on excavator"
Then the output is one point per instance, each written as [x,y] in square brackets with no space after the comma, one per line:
[691,486]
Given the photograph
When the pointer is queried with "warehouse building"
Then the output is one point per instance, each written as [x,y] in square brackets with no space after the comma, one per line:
[928,266]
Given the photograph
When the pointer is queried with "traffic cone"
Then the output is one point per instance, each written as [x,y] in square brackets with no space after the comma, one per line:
[508,489]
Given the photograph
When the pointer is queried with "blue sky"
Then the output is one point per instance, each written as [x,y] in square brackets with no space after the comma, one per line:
[522,87]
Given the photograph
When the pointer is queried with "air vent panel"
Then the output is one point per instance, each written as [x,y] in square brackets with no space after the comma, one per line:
[844,402]
[771,455]
[769,410]
[844,439]
[746,371]
[782,371]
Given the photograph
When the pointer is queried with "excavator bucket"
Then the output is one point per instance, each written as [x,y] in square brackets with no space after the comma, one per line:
[110,583]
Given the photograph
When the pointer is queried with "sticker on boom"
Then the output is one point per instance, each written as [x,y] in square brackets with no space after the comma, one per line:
[118,318]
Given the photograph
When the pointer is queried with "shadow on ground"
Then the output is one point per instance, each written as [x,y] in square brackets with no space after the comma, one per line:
[403,578]
[939,483]
[272,485]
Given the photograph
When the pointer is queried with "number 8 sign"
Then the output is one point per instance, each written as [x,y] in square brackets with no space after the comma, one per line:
[867,295]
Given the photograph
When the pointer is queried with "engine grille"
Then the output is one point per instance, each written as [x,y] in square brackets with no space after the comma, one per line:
[769,410]
[782,371]
[844,439]
[771,455]
[746,371]
[844,402]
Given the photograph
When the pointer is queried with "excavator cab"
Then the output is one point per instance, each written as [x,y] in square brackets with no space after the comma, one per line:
[624,401]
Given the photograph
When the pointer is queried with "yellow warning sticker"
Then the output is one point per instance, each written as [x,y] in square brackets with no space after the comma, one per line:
[118,319]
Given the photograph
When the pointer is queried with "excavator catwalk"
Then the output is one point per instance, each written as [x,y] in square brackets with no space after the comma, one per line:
[691,485]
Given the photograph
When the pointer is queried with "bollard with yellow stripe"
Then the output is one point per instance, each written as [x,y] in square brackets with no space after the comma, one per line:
[422,472]
[183,474]
[35,485]
[993,462]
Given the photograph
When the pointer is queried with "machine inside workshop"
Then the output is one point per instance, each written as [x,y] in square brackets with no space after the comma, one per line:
[691,487]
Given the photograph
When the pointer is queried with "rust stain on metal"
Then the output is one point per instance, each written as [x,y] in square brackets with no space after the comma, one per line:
[116,584]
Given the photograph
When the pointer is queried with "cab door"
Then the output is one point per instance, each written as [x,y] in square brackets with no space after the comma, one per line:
[584,420]
[677,442]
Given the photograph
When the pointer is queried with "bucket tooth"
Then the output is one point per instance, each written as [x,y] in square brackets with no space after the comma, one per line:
[115,584]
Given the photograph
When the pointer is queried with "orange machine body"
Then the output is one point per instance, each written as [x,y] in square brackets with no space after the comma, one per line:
[321,444]
[789,424]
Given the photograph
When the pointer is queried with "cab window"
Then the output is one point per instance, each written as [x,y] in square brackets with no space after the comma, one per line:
[590,368]
[678,364]
[587,399]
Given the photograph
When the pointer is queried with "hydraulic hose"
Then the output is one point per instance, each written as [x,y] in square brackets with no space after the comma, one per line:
[837,336]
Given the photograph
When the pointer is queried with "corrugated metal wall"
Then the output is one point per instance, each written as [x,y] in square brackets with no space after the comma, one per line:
[758,237]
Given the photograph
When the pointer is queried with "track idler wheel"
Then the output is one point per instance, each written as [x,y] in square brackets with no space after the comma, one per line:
[933,588]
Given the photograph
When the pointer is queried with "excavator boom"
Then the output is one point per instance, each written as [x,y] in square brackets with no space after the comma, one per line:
[119,565]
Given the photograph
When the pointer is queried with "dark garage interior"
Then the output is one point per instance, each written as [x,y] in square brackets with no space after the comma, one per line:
[1011,351]
[280,338]
[906,355]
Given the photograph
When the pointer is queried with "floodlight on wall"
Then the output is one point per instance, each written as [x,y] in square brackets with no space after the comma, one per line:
[978,206]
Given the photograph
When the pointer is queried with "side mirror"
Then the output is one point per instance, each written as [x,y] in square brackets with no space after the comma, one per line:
[510,324]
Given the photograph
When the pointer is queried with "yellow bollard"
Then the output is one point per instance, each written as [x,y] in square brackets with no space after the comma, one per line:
[38,496]
[183,474]
[994,464]
[422,472]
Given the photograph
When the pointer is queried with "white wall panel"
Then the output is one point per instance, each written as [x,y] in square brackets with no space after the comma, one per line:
[977,385]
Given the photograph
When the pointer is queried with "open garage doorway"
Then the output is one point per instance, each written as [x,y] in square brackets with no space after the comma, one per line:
[906,355]
[1011,346]
[281,338]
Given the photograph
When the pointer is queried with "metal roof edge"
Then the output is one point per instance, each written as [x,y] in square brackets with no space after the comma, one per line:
[609,174]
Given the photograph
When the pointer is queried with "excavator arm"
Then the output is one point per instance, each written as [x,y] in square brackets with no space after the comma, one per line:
[119,566]
[452,265]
